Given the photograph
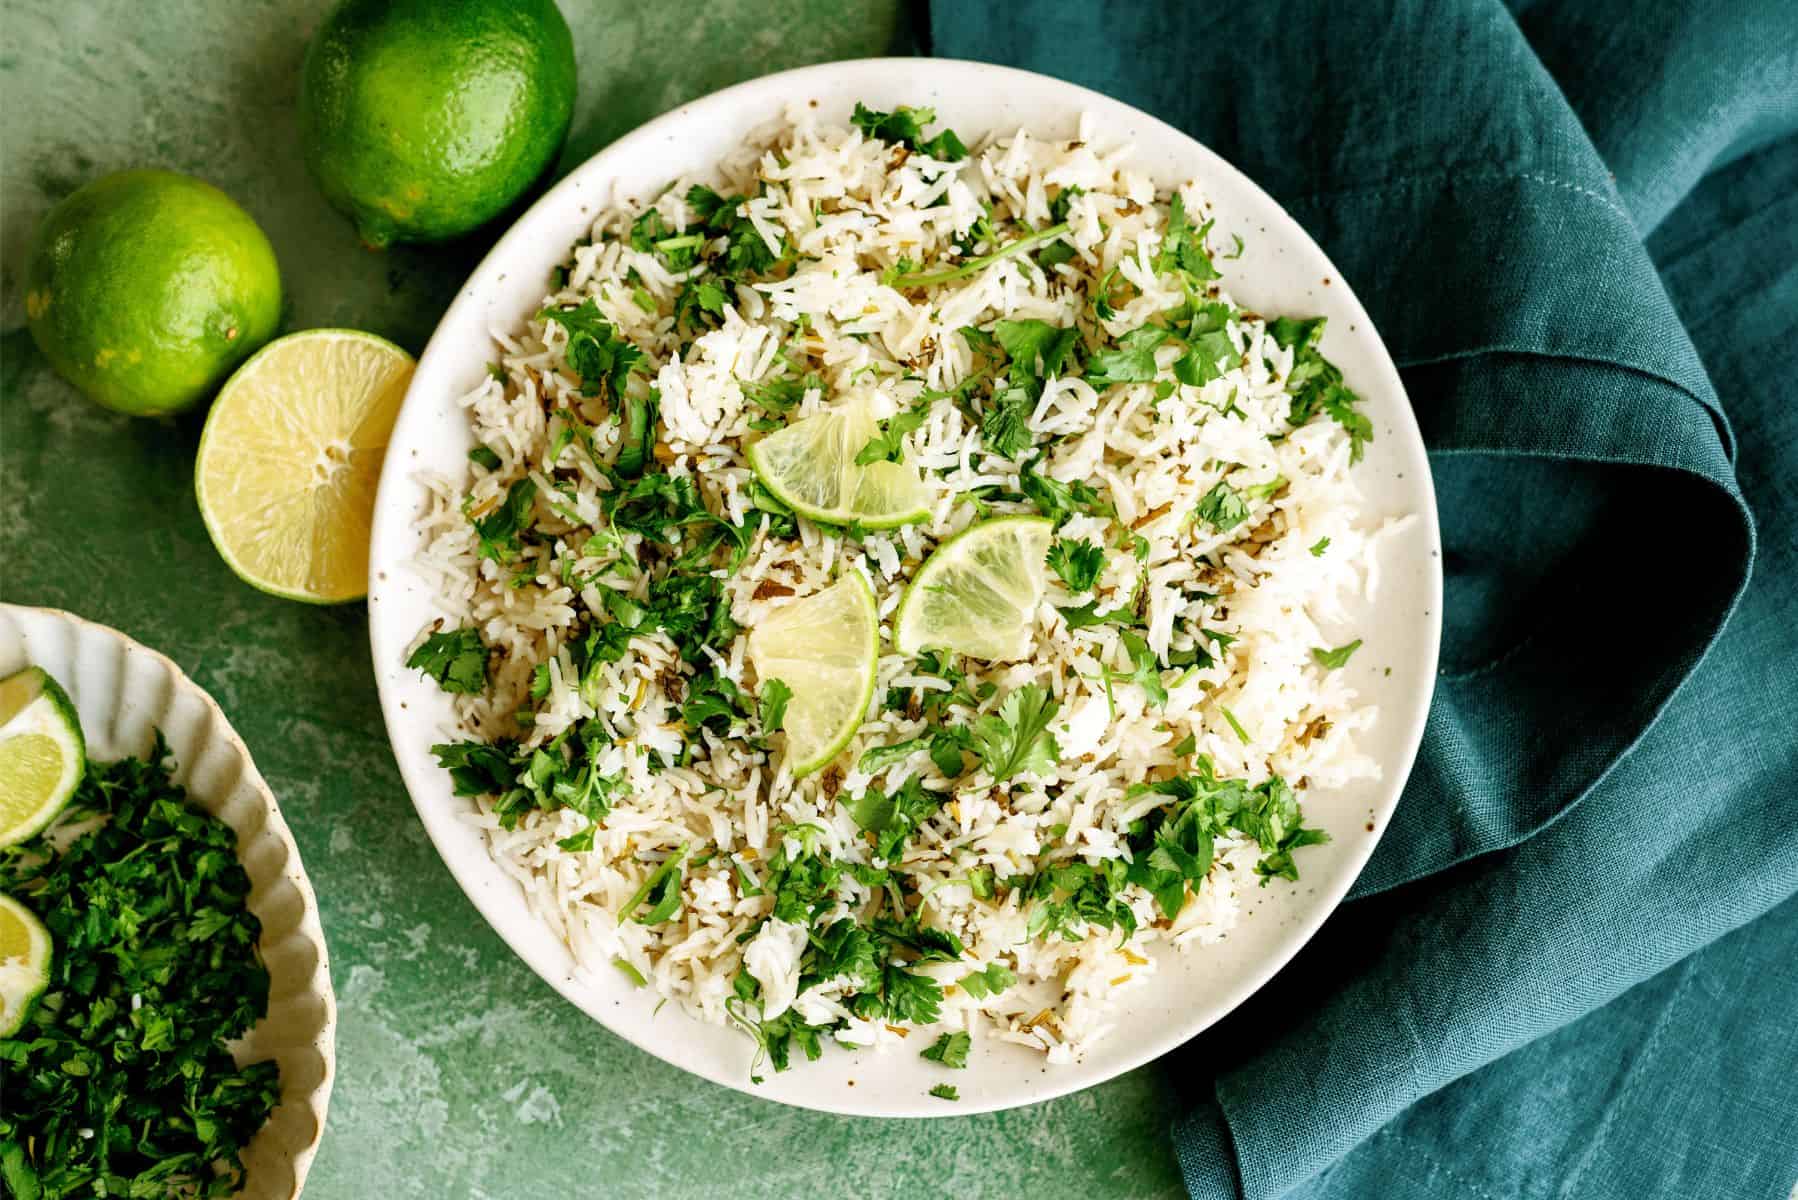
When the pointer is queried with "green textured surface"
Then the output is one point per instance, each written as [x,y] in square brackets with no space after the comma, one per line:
[460,1074]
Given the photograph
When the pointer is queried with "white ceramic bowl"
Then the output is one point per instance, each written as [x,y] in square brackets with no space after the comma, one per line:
[124,693]
[1281,270]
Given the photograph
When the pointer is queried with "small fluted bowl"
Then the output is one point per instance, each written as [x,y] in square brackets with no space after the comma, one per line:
[125,692]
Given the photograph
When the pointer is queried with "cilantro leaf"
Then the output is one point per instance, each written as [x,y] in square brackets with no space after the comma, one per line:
[772,707]
[951,1049]
[485,457]
[1316,383]
[1078,563]
[712,699]
[1131,361]
[1036,347]
[1004,429]
[889,444]
[637,437]
[906,126]
[989,981]
[945,1091]
[499,530]
[1017,738]
[599,355]
[1222,508]
[1145,670]
[1331,660]
[1319,546]
[1059,501]
[455,658]
[876,759]
[1183,247]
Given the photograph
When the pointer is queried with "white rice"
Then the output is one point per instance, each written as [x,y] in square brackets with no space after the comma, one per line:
[851,207]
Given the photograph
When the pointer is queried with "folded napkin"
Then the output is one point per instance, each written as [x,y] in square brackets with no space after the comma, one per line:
[1576,226]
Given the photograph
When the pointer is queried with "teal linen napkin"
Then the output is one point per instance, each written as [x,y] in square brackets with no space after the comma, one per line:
[1576,228]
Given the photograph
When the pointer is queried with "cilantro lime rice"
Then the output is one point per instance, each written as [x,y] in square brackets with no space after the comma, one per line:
[1003,845]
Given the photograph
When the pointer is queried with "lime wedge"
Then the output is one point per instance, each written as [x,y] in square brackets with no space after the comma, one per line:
[24,963]
[42,753]
[977,594]
[810,465]
[290,457]
[824,648]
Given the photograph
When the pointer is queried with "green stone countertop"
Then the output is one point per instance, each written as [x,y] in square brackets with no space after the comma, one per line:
[460,1074]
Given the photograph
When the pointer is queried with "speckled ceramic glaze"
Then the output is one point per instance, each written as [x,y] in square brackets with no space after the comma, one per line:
[1281,271]
[125,693]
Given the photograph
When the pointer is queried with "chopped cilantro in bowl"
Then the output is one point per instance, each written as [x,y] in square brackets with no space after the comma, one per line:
[122,1080]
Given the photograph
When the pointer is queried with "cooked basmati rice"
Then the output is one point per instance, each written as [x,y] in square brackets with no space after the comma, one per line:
[847,209]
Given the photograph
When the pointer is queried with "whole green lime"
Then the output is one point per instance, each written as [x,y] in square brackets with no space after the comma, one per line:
[145,288]
[423,119]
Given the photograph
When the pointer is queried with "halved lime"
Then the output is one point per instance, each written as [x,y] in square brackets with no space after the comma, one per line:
[824,648]
[290,457]
[24,963]
[977,594]
[810,465]
[42,753]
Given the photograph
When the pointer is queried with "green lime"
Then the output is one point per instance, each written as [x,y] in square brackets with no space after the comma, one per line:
[977,594]
[288,464]
[825,649]
[810,466]
[424,119]
[42,753]
[145,288]
[24,963]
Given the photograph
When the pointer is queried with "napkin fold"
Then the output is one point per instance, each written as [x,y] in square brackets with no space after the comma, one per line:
[1576,228]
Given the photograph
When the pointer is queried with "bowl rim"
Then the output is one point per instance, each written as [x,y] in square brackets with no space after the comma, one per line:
[311,924]
[501,911]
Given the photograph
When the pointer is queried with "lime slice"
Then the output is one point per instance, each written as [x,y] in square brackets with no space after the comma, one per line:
[24,963]
[824,648]
[977,594]
[42,753]
[290,457]
[810,465]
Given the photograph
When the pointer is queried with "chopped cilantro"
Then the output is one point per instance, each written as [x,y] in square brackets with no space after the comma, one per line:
[455,658]
[945,1091]
[599,355]
[1131,361]
[1036,347]
[950,1049]
[1059,501]
[1319,546]
[1222,508]
[1078,563]
[1331,660]
[121,1081]
[1242,734]
[499,530]
[1016,738]
[989,981]
[906,126]
[485,457]
[888,445]
[772,706]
